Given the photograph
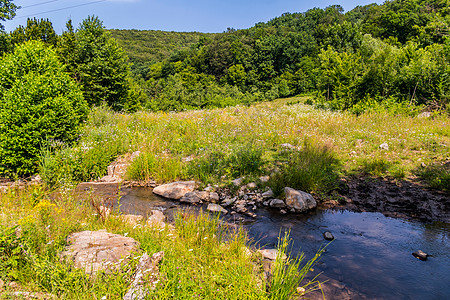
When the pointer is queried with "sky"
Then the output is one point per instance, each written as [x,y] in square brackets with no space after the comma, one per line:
[167,15]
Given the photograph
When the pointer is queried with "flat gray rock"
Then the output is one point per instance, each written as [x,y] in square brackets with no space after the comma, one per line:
[216,208]
[175,190]
[277,203]
[271,254]
[100,250]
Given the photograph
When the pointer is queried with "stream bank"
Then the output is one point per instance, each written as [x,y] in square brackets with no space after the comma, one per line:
[371,257]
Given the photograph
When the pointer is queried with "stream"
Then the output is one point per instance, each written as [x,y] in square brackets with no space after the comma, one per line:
[370,258]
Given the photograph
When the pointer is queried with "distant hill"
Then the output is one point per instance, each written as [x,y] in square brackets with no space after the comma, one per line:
[151,46]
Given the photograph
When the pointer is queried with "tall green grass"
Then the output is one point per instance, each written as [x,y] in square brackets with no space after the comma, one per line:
[312,169]
[203,258]
[218,144]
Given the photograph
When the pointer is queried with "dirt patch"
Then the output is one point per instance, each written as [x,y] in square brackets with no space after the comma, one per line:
[393,198]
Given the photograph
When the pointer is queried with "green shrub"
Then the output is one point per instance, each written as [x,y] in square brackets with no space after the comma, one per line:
[312,169]
[39,103]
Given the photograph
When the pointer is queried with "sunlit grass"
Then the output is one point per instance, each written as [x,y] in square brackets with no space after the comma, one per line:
[175,143]
[202,258]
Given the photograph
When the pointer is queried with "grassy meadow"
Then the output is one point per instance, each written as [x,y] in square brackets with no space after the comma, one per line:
[296,144]
[278,137]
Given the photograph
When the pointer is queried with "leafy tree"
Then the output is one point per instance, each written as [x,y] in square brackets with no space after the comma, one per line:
[67,48]
[7,11]
[38,30]
[339,73]
[5,43]
[39,103]
[98,63]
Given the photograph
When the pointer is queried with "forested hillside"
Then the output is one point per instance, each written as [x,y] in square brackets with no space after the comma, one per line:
[145,47]
[393,55]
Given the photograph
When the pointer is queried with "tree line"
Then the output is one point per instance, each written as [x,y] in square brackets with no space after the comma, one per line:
[397,53]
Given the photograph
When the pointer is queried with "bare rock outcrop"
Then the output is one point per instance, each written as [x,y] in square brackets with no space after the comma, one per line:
[96,251]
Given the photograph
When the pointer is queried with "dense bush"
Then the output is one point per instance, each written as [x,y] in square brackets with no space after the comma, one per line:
[39,104]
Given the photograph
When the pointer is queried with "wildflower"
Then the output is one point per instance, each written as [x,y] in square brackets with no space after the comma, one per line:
[191,250]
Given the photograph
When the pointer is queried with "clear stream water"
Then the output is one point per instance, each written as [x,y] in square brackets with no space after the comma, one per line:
[370,258]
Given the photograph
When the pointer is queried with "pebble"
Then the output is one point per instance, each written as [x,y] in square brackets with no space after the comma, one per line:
[420,255]
[13,285]
[251,185]
[328,236]
[384,146]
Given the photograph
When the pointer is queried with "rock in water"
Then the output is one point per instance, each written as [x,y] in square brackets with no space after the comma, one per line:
[328,236]
[277,203]
[98,250]
[271,254]
[298,200]
[420,255]
[175,190]
[216,208]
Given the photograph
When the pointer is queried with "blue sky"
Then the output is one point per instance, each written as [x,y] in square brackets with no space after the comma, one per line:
[169,15]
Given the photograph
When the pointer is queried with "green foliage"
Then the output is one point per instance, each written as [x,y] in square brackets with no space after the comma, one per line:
[163,169]
[101,65]
[5,43]
[7,11]
[36,30]
[12,253]
[188,90]
[339,73]
[311,169]
[146,47]
[377,166]
[237,161]
[39,104]
[406,19]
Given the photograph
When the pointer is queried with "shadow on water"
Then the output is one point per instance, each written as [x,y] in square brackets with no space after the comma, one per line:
[370,257]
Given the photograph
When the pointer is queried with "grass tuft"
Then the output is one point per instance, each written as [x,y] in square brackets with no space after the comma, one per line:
[311,169]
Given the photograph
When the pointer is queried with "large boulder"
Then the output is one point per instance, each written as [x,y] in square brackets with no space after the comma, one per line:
[100,250]
[298,200]
[175,190]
